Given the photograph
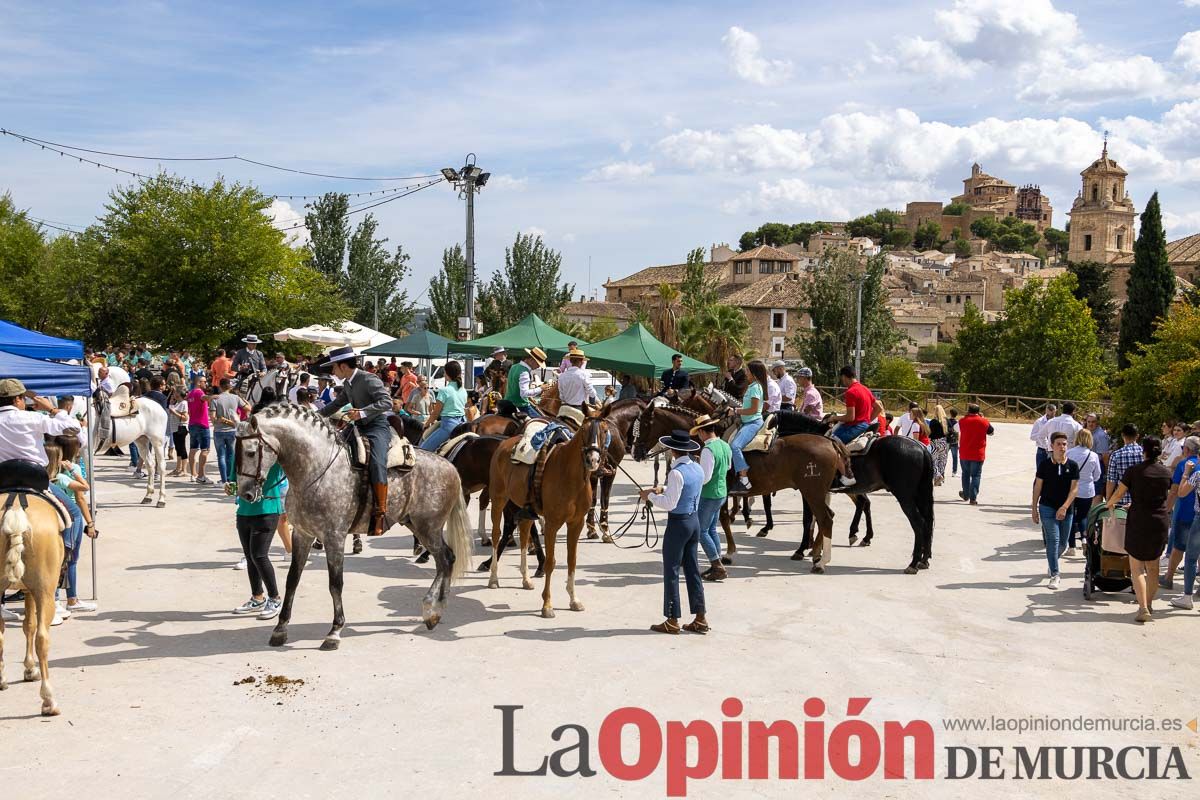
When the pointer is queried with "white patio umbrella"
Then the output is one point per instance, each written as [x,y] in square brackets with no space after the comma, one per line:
[342,334]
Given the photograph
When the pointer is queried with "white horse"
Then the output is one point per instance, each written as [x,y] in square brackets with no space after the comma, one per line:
[277,379]
[147,429]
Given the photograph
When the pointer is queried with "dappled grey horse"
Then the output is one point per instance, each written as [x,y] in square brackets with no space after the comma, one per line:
[323,499]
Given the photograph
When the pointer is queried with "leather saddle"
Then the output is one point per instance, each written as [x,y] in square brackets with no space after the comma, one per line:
[20,477]
[121,403]
[539,434]
[450,449]
[859,445]
[402,455]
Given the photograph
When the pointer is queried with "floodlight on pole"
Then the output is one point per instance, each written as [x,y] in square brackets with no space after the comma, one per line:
[468,180]
[451,174]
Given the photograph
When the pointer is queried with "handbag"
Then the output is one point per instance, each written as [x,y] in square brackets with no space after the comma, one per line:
[1112,534]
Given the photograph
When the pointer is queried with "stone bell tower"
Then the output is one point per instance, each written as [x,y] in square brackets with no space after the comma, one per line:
[1102,216]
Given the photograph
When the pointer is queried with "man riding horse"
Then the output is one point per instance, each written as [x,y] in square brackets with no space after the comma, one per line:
[370,404]
[249,359]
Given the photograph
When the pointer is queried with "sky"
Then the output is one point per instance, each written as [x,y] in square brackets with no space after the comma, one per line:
[624,133]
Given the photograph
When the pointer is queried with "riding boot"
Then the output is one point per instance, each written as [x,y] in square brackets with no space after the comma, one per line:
[848,478]
[379,513]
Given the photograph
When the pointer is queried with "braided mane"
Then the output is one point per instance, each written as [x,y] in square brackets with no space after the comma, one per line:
[294,411]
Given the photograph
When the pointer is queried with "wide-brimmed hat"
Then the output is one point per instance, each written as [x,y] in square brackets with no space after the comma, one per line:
[498,350]
[704,421]
[575,352]
[572,413]
[679,441]
[537,354]
[342,354]
[252,339]
[11,387]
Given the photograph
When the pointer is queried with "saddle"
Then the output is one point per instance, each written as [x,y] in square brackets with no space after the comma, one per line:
[19,478]
[538,440]
[762,440]
[859,445]
[402,455]
[526,451]
[121,404]
[450,449]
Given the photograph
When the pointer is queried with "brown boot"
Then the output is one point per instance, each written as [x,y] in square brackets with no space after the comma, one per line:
[379,513]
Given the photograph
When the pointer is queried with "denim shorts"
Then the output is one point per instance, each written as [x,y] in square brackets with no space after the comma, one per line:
[1179,534]
[201,437]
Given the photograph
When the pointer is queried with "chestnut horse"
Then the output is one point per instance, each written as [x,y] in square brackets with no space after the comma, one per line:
[565,498]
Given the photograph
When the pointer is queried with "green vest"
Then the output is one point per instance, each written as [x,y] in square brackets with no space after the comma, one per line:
[513,391]
[721,456]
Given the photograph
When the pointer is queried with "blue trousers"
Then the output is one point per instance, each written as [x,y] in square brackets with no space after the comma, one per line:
[441,434]
[954,459]
[1040,456]
[679,549]
[72,538]
[1055,533]
[135,457]
[846,433]
[972,471]
[379,433]
[708,514]
[225,441]
[1192,555]
[741,439]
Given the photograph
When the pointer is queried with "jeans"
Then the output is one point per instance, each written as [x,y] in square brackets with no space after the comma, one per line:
[1040,456]
[1055,533]
[679,548]
[1082,506]
[708,514]
[72,538]
[256,532]
[846,433]
[201,437]
[1179,529]
[1192,555]
[225,466]
[439,435]
[741,439]
[954,459]
[972,471]
[135,456]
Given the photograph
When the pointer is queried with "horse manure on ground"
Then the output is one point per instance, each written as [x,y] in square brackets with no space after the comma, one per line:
[272,684]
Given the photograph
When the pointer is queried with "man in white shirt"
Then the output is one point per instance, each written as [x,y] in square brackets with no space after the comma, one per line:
[1063,423]
[295,390]
[574,387]
[787,386]
[809,398]
[904,424]
[107,384]
[1039,436]
[773,395]
[22,432]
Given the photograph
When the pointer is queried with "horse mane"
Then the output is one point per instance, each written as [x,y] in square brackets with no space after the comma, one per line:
[691,412]
[283,410]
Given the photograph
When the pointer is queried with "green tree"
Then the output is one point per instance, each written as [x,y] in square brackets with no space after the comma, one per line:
[1043,345]
[830,300]
[900,374]
[448,293]
[22,252]
[956,209]
[1057,242]
[899,238]
[877,225]
[928,236]
[985,228]
[714,334]
[1162,380]
[697,290]
[373,280]
[329,232]
[600,329]
[1093,286]
[528,284]
[802,232]
[962,247]
[1151,284]
[749,241]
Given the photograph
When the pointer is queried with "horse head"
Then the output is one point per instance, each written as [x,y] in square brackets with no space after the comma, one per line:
[595,445]
[253,457]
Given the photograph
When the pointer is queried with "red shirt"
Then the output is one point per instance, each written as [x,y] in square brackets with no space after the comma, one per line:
[407,382]
[883,426]
[973,431]
[860,398]
[220,368]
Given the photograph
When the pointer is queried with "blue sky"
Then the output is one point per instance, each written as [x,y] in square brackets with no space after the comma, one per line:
[626,133]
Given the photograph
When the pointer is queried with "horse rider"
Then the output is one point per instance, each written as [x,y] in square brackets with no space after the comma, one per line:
[736,378]
[107,384]
[249,359]
[680,498]
[675,379]
[23,432]
[370,404]
[521,387]
[498,368]
[861,407]
[574,387]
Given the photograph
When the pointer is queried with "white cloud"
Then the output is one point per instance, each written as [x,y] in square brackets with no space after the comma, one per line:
[1184,224]
[1191,3]
[803,200]
[348,51]
[568,237]
[1100,80]
[535,231]
[1187,52]
[745,60]
[621,171]
[934,57]
[507,183]
[626,146]
[282,215]
[745,148]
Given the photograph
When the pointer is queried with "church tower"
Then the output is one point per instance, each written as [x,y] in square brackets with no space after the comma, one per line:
[1102,216]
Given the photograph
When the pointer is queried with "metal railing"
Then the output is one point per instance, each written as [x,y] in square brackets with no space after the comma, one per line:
[993,406]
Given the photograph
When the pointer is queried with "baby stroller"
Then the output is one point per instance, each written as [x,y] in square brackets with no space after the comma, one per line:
[1104,570]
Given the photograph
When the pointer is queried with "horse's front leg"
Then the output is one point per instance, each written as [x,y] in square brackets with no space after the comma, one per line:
[573,530]
[147,454]
[606,485]
[727,527]
[336,558]
[301,545]
[591,512]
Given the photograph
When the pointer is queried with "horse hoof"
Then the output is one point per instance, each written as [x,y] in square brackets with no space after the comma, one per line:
[763,531]
[526,583]
[423,558]
[29,676]
[593,535]
[547,612]
[910,570]
[278,639]
[798,555]
[539,574]
[865,543]
[432,622]
[607,539]
[727,560]
[485,542]
[357,547]
[52,711]
[853,538]
[922,565]
[817,569]
[330,644]
[161,504]
[3,685]
[147,501]
[485,566]
[493,584]
[576,605]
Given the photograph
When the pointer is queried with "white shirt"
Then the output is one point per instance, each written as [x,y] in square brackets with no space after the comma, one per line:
[574,387]
[294,391]
[1089,471]
[525,383]
[707,464]
[774,397]
[108,385]
[787,388]
[21,433]
[1171,448]
[904,425]
[82,435]
[1036,433]
[1063,423]
[670,496]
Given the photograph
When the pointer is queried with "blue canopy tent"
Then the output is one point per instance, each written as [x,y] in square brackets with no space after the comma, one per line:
[48,378]
[22,342]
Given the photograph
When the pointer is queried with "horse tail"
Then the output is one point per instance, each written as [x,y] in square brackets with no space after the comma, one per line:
[843,454]
[458,536]
[925,503]
[15,527]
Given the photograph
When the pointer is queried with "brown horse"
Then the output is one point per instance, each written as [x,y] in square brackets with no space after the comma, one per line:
[31,556]
[565,498]
[621,415]
[805,462]
[489,425]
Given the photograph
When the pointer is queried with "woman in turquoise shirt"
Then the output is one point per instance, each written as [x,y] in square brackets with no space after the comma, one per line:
[752,422]
[256,524]
[449,408]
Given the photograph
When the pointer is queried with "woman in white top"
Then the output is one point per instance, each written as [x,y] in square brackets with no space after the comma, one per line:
[177,426]
[1090,471]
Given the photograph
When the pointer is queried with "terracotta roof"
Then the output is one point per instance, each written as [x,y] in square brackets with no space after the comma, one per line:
[764,251]
[598,308]
[1180,251]
[670,273]
[782,290]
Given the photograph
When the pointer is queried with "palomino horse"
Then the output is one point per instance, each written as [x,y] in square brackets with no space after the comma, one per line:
[325,501]
[31,556]
[565,498]
[147,429]
[807,463]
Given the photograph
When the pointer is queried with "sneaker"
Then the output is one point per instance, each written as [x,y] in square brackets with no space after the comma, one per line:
[974,502]
[251,606]
[59,619]
[9,616]
[1054,582]
[285,557]
[1071,551]
[743,484]
[203,479]
[139,475]
[81,607]
[241,564]
[1166,582]
[60,607]
[270,609]
[1183,601]
[962,495]
[1143,615]
[848,481]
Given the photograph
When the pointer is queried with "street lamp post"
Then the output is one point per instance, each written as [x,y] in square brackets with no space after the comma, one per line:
[858,332]
[468,181]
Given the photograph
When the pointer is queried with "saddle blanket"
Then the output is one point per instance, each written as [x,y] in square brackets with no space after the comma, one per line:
[450,449]
[535,436]
[762,440]
[401,453]
[862,443]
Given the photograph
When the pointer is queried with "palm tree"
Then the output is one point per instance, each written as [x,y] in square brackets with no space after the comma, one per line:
[665,319]
[714,333]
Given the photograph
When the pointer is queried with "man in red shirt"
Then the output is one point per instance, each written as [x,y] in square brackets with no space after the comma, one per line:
[973,430]
[861,408]
[219,368]
[408,380]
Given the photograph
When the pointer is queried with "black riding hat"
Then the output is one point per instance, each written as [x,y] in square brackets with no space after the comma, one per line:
[679,441]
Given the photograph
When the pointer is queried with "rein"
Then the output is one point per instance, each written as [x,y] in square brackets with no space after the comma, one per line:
[258,476]
[644,513]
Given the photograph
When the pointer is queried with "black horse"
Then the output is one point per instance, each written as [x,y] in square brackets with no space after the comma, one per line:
[898,464]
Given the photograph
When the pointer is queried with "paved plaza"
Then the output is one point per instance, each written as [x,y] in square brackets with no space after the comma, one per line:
[156,703]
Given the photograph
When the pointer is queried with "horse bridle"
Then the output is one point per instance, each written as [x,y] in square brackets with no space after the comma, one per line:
[258,477]
[594,445]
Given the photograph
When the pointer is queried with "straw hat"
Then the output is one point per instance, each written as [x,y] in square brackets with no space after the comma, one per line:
[537,354]
[575,352]
[704,421]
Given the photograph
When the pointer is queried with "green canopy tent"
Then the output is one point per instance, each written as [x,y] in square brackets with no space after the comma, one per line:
[636,351]
[529,332]
[424,344]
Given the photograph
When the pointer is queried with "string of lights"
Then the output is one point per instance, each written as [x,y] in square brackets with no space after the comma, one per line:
[376,204]
[53,145]
[57,226]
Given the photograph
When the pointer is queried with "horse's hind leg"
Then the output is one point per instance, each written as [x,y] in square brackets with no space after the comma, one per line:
[573,531]
[357,548]
[45,616]
[3,685]
[497,538]
[606,485]
[483,504]
[29,627]
[148,455]
[770,518]
[433,605]
[866,507]
[525,525]
[301,545]
[336,557]
[727,527]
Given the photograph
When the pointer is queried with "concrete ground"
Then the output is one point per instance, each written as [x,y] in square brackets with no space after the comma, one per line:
[153,705]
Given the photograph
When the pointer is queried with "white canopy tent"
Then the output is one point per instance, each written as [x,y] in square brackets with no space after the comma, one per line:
[341,334]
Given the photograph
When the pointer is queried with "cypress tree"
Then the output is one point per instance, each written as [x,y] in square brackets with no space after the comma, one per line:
[1151,284]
